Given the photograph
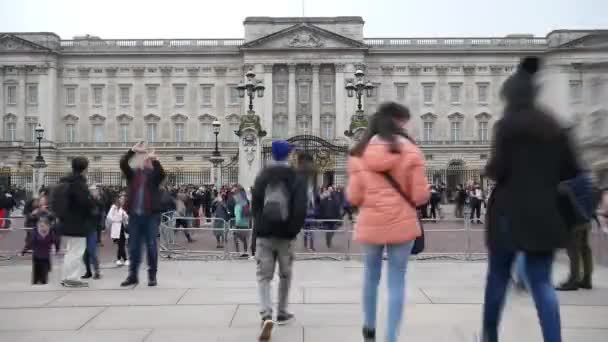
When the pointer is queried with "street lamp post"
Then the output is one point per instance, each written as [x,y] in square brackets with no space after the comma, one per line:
[216,157]
[357,89]
[39,164]
[39,136]
[251,88]
[216,130]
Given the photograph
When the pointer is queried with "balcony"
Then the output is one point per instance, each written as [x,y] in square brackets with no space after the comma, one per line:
[150,44]
[429,143]
[526,43]
[123,145]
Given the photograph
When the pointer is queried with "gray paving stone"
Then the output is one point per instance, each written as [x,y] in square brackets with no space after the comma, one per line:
[233,296]
[593,317]
[423,333]
[46,318]
[595,297]
[76,336]
[306,315]
[585,335]
[120,297]
[28,299]
[454,295]
[164,317]
[352,295]
[280,334]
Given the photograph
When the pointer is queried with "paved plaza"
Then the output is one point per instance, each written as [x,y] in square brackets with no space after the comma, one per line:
[216,301]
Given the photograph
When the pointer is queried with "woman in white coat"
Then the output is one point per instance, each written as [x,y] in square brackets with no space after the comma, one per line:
[118,219]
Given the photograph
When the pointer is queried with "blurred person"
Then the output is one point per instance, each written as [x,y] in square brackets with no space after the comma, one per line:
[221,215]
[476,197]
[118,221]
[74,207]
[242,217]
[386,180]
[90,256]
[435,200]
[330,209]
[531,155]
[43,240]
[279,193]
[181,211]
[144,175]
[460,201]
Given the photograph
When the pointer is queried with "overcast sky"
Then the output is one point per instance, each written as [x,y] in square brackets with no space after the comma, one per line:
[224,18]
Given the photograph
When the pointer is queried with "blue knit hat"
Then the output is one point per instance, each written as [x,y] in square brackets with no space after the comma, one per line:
[280,150]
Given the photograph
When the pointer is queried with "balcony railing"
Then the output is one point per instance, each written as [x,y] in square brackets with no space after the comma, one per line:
[456,43]
[154,44]
[453,142]
[190,144]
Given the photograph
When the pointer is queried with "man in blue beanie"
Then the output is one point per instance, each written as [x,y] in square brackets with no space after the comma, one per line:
[279,209]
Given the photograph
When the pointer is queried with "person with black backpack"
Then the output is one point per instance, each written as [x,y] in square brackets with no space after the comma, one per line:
[279,209]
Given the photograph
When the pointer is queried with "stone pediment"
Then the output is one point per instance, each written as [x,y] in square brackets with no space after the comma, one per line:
[304,36]
[594,41]
[12,43]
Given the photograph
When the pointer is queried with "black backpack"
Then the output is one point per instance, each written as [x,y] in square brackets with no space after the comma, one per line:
[59,200]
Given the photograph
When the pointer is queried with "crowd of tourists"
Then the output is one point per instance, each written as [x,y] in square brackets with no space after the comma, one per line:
[543,200]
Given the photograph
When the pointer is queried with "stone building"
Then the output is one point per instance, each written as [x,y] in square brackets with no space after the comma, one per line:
[96,97]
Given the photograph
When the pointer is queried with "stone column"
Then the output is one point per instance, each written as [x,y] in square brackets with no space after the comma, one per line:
[292,100]
[341,98]
[250,149]
[2,102]
[139,94]
[316,100]
[268,104]
[38,173]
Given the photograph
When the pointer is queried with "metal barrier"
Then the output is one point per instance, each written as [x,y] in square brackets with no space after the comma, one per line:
[8,238]
[201,229]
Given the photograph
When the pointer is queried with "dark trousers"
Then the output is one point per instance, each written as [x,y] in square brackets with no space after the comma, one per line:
[180,223]
[243,237]
[143,230]
[434,210]
[329,236]
[121,242]
[40,270]
[90,254]
[579,253]
[476,209]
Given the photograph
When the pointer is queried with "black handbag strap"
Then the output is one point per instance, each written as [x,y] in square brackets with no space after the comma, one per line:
[396,186]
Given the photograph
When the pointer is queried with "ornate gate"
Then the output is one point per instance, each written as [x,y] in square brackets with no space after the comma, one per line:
[329,158]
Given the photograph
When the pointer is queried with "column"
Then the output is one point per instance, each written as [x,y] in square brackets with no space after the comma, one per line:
[2,103]
[268,104]
[292,100]
[316,100]
[342,121]
[21,111]
[220,100]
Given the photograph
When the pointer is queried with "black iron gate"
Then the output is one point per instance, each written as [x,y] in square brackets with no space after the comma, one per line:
[329,158]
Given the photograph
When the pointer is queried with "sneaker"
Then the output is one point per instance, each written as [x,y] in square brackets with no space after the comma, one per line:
[266,333]
[369,335]
[152,282]
[130,281]
[74,283]
[87,275]
[119,263]
[97,276]
[585,284]
[567,286]
[244,255]
[285,318]
[127,263]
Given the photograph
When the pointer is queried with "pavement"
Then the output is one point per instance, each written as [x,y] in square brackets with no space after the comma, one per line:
[216,301]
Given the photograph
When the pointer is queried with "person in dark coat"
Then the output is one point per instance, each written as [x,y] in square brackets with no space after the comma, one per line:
[144,175]
[531,155]
[330,209]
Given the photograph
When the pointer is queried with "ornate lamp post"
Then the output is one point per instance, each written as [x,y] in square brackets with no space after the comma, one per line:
[39,136]
[358,89]
[250,88]
[216,157]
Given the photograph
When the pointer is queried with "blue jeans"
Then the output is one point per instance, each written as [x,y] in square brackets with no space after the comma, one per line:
[143,230]
[520,271]
[538,267]
[398,256]
[90,253]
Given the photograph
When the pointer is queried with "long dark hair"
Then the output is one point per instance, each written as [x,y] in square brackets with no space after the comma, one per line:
[383,124]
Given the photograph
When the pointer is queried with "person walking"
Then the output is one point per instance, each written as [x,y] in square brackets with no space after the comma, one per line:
[242,216]
[435,201]
[221,218]
[461,196]
[118,221]
[144,206]
[386,156]
[74,207]
[531,155]
[278,196]
[183,220]
[43,239]
[330,210]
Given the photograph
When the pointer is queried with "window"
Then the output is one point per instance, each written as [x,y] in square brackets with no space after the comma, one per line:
[151,132]
[303,124]
[454,69]
[96,158]
[482,68]
[70,133]
[234,96]
[327,128]
[31,131]
[328,94]
[97,96]
[427,69]
[70,96]
[596,92]
[98,133]
[179,158]
[303,93]
[455,93]
[125,95]
[483,131]
[428,131]
[427,91]
[206,99]
[11,131]
[234,126]
[280,93]
[11,94]
[428,157]
[279,127]
[206,132]
[482,92]
[32,94]
[124,133]
[151,95]
[455,130]
[576,91]
[180,95]
[179,132]
[483,156]
[401,92]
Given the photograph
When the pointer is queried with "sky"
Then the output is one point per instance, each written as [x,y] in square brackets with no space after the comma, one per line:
[224,18]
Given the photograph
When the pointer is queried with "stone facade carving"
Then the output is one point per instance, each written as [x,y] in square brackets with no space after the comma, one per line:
[305,40]
[250,145]
[414,69]
[139,71]
[469,70]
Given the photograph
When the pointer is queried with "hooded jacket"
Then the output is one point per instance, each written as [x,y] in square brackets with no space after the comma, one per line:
[384,216]
[83,216]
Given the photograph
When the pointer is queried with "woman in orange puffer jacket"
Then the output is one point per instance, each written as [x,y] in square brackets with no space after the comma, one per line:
[385,218]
